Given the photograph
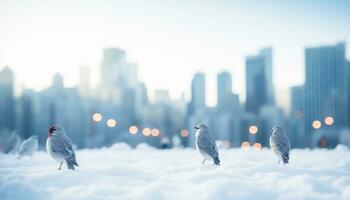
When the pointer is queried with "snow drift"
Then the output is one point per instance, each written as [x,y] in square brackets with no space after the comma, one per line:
[120,172]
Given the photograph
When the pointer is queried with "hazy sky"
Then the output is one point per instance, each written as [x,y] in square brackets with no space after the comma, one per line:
[170,40]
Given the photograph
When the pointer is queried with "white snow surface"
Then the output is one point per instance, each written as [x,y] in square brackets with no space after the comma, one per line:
[120,172]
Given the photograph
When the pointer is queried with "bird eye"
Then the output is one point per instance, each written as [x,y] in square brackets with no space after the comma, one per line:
[52,129]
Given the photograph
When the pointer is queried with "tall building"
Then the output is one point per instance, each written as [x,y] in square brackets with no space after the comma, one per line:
[256,84]
[198,93]
[162,96]
[131,75]
[297,117]
[57,82]
[84,81]
[7,100]
[266,54]
[112,66]
[325,86]
[224,86]
[224,90]
[117,76]
[348,88]
[141,99]
[26,116]
[226,120]
[259,85]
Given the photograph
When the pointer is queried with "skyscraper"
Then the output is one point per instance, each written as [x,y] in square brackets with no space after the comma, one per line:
[26,116]
[347,67]
[198,93]
[84,81]
[259,85]
[266,54]
[112,66]
[57,81]
[141,99]
[117,76]
[297,116]
[256,83]
[325,85]
[7,100]
[224,88]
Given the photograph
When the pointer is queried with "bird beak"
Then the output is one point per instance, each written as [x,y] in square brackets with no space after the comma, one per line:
[195,127]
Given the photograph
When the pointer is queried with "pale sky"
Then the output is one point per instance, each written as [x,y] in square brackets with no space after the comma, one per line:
[170,40]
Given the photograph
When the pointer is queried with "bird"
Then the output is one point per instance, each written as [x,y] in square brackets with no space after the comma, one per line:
[60,147]
[206,145]
[28,147]
[279,144]
[13,143]
[164,143]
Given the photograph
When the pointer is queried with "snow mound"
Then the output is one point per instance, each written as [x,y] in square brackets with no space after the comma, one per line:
[120,172]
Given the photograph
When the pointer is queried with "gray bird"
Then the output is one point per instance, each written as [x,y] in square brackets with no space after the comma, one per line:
[279,144]
[28,146]
[206,145]
[60,148]
[13,143]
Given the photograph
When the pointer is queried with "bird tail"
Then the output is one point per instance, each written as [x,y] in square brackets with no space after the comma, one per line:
[285,159]
[71,163]
[216,161]
[18,156]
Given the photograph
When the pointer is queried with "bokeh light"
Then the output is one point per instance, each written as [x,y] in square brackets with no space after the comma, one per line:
[253,129]
[146,131]
[111,123]
[245,145]
[184,133]
[329,120]
[316,124]
[97,117]
[227,144]
[155,132]
[133,130]
[257,146]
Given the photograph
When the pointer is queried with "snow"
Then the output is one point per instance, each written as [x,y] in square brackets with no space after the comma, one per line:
[120,172]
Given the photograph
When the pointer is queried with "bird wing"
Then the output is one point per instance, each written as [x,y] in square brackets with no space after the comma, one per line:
[207,144]
[62,146]
[281,145]
[25,144]
[23,147]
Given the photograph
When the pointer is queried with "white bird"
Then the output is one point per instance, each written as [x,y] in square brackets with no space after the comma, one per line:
[279,144]
[206,145]
[164,143]
[28,146]
[60,148]
[13,143]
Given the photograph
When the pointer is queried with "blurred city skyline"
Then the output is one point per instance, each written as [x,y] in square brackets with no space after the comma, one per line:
[120,110]
[140,72]
[170,41]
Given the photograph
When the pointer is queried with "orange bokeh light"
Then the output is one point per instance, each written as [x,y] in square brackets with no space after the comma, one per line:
[329,120]
[257,146]
[133,130]
[97,117]
[245,145]
[184,133]
[146,131]
[253,129]
[316,124]
[111,123]
[155,132]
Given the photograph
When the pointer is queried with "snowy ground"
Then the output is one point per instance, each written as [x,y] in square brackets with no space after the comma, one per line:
[146,173]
